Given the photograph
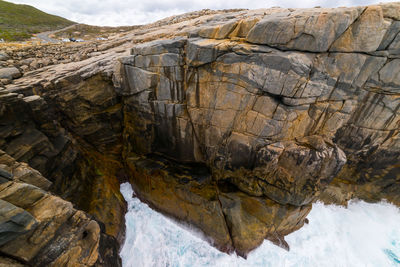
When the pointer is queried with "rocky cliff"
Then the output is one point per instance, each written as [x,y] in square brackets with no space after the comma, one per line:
[40,229]
[232,121]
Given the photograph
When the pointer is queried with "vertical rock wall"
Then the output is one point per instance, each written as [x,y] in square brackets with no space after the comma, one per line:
[234,122]
[273,108]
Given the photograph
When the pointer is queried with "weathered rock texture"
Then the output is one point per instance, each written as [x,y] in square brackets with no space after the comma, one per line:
[39,229]
[32,131]
[273,105]
[233,121]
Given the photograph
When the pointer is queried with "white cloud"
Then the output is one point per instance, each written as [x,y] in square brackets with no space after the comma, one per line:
[132,12]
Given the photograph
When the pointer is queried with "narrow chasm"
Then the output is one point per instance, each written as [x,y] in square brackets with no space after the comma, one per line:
[72,135]
[218,126]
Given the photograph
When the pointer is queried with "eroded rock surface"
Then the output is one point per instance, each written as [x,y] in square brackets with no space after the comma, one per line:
[39,229]
[232,121]
[274,106]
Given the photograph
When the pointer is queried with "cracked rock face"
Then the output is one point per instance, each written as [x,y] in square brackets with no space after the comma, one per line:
[225,112]
[233,121]
[274,117]
[39,229]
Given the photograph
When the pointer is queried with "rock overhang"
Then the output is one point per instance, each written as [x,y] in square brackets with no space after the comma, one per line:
[270,118]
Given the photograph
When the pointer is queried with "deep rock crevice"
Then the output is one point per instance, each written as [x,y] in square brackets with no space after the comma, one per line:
[216,128]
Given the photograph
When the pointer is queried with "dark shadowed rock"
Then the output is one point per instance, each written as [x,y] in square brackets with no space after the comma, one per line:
[233,121]
[14,222]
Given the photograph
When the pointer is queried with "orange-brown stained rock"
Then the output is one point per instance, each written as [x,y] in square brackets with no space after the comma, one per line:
[182,197]
[232,220]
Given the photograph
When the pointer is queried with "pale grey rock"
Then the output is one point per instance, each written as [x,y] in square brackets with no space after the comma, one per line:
[358,37]
[159,47]
[309,30]
[391,10]
[139,80]
[4,56]
[395,43]
[390,35]
[10,73]
[202,51]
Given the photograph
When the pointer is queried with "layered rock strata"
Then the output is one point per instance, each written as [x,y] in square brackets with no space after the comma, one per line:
[272,106]
[32,131]
[40,229]
[234,122]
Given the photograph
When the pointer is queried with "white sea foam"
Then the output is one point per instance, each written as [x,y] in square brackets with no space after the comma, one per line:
[361,235]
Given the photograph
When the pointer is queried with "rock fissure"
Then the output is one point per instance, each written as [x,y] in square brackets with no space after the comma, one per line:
[348,27]
[211,123]
[226,222]
[14,260]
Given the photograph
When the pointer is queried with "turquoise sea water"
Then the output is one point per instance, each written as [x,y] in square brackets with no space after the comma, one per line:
[361,235]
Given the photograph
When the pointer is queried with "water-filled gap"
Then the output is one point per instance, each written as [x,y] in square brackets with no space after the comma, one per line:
[363,234]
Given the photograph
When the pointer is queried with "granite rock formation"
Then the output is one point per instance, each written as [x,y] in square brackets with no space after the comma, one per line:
[40,229]
[232,121]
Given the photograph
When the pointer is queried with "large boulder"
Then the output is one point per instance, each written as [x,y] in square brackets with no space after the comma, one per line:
[10,73]
[4,56]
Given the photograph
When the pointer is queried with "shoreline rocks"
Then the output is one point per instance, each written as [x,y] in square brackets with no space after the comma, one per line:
[10,73]
[39,229]
[232,121]
[271,120]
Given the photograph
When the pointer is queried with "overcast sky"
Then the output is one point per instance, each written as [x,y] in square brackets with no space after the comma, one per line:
[132,12]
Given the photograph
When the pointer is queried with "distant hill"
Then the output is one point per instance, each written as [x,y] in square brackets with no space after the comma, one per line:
[19,22]
[88,32]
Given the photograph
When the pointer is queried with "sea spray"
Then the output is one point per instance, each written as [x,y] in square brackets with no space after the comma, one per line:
[361,235]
